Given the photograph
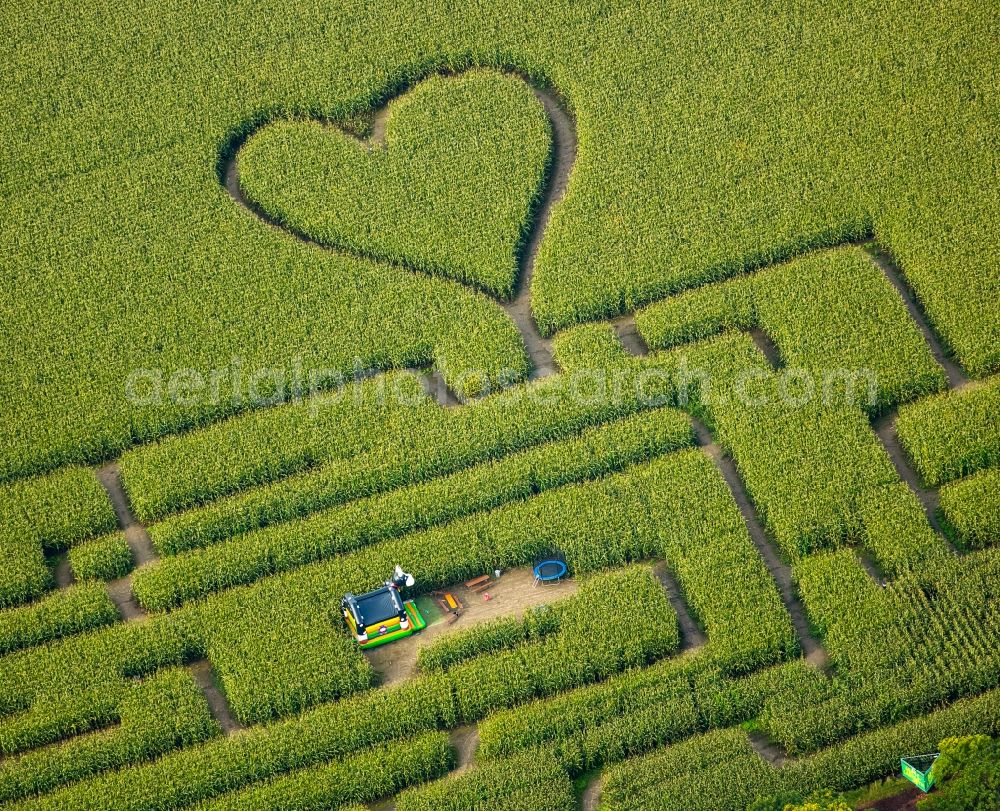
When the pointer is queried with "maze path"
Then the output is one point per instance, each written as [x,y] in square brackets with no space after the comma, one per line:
[64,574]
[564,148]
[138,540]
[539,350]
[780,572]
[629,336]
[217,703]
[590,798]
[465,741]
[885,425]
[691,635]
[885,429]
[120,592]
[777,568]
[767,749]
[563,158]
[436,388]
[955,374]
[564,153]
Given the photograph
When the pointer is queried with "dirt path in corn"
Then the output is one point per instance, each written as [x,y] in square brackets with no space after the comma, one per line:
[629,336]
[885,429]
[564,148]
[63,573]
[465,741]
[590,799]
[767,347]
[120,591]
[953,372]
[905,800]
[767,749]
[513,594]
[871,566]
[136,536]
[780,571]
[436,387]
[691,635]
[885,425]
[217,703]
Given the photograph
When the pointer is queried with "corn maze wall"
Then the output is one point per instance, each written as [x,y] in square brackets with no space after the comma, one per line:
[701,296]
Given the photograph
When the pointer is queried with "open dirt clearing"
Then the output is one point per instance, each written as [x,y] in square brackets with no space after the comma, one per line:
[511,595]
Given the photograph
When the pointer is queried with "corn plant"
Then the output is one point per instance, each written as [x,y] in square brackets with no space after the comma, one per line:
[876,754]
[717,770]
[637,711]
[806,464]
[334,732]
[971,509]
[699,313]
[259,447]
[46,514]
[279,547]
[458,206]
[424,443]
[106,557]
[896,531]
[69,611]
[754,164]
[163,713]
[533,782]
[576,654]
[721,770]
[836,316]
[938,641]
[710,141]
[953,434]
[491,637]
[363,777]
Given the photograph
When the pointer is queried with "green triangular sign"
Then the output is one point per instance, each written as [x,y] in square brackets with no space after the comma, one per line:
[917,769]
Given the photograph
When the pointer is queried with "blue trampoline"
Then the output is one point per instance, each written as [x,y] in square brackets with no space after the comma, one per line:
[549,571]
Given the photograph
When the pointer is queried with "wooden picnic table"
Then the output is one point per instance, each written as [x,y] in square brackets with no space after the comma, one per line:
[450,604]
[478,584]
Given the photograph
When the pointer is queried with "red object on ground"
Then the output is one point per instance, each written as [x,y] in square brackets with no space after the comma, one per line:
[486,596]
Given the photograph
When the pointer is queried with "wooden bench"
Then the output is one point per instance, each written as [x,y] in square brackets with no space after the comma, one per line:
[478,584]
